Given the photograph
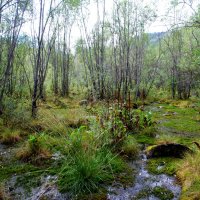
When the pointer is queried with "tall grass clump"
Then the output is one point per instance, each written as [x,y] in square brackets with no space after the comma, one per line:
[52,122]
[88,165]
[87,170]
[189,175]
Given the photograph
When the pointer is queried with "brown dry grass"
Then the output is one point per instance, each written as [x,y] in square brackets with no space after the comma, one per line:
[37,155]
[60,121]
[10,136]
[189,175]
[3,194]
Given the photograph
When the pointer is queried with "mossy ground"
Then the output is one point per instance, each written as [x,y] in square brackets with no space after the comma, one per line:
[178,119]
[163,165]
[178,122]
[159,192]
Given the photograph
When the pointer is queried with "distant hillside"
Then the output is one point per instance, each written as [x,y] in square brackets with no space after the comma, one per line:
[154,37]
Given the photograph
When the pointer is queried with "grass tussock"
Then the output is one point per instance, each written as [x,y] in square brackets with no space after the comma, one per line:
[82,139]
[189,175]
[51,122]
[182,103]
[88,170]
[10,136]
[89,164]
[34,150]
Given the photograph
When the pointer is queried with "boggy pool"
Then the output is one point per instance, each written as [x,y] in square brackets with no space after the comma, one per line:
[146,186]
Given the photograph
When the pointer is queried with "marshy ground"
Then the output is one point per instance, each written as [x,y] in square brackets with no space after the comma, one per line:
[79,151]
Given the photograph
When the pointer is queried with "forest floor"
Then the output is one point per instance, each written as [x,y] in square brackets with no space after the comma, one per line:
[66,141]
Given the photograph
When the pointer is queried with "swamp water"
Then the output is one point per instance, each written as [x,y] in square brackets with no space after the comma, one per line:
[144,184]
[141,188]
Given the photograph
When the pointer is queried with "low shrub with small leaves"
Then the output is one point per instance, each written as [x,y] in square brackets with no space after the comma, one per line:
[129,119]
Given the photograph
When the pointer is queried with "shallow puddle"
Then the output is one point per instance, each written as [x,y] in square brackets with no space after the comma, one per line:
[144,183]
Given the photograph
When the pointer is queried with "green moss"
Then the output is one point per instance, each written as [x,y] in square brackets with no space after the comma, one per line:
[183,124]
[177,122]
[15,168]
[159,192]
[145,193]
[162,193]
[162,165]
[144,139]
[182,119]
